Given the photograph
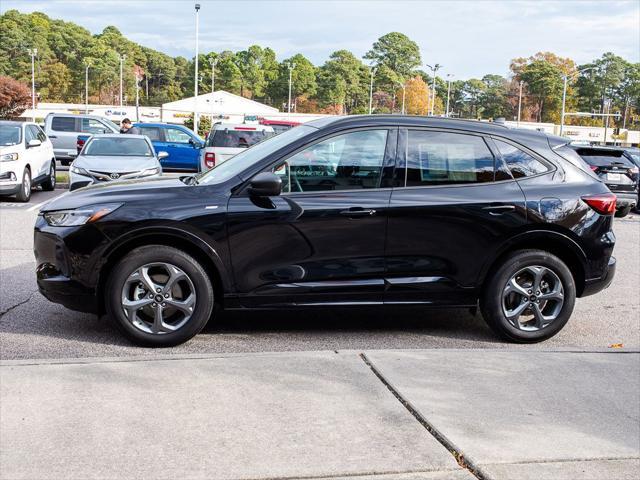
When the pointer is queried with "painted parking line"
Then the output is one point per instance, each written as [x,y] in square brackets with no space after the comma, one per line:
[37,205]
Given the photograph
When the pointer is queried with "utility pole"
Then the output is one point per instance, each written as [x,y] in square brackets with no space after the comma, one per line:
[520,102]
[607,106]
[446,114]
[290,66]
[195,75]
[123,57]
[213,62]
[434,69]
[33,52]
[86,86]
[373,72]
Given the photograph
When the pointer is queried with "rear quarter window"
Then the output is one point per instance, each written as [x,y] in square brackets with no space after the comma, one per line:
[63,124]
[519,162]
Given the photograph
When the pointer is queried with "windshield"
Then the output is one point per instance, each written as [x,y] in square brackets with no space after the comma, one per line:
[604,158]
[10,135]
[236,165]
[237,138]
[118,147]
[576,160]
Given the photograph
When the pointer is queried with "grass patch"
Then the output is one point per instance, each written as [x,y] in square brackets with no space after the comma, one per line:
[62,177]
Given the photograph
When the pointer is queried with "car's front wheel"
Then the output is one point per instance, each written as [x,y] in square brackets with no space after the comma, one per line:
[159,296]
[24,194]
[530,297]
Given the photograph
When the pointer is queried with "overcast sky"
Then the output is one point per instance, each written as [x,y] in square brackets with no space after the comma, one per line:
[470,38]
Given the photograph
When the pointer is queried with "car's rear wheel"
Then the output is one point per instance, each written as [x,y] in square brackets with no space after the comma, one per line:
[24,194]
[623,212]
[530,297]
[159,296]
[50,183]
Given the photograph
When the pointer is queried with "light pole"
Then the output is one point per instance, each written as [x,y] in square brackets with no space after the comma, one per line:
[213,62]
[123,57]
[137,97]
[290,66]
[520,102]
[195,76]
[434,69]
[86,86]
[404,91]
[33,52]
[564,95]
[373,72]
[449,76]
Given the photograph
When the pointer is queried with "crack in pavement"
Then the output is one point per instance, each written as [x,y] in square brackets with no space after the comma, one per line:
[13,307]
[464,462]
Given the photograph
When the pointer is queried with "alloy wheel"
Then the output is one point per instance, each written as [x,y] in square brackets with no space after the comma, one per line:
[158,298]
[533,298]
[26,184]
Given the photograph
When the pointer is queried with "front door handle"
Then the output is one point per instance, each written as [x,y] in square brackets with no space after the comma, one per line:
[52,136]
[358,212]
[499,209]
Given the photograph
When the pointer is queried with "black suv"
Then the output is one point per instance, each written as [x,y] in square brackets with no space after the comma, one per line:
[617,169]
[343,211]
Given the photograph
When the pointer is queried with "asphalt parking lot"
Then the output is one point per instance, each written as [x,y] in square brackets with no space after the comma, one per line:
[32,327]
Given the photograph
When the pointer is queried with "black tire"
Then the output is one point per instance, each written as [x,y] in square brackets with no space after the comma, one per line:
[491,301]
[50,183]
[65,163]
[152,254]
[623,212]
[24,195]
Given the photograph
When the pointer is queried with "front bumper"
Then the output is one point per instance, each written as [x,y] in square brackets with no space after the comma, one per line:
[66,264]
[595,285]
[10,182]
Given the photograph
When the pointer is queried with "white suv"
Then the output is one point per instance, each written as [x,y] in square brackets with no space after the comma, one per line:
[26,159]
[226,140]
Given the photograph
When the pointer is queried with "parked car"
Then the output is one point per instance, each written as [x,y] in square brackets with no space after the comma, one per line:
[342,211]
[617,171]
[226,140]
[26,159]
[63,130]
[113,156]
[183,147]
[633,154]
[279,126]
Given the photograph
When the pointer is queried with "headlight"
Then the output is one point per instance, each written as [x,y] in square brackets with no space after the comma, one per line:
[78,170]
[149,171]
[9,157]
[79,216]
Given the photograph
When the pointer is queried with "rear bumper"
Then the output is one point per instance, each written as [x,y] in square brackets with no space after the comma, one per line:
[595,285]
[624,200]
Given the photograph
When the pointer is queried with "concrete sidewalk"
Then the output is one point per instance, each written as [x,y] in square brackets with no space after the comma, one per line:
[403,415]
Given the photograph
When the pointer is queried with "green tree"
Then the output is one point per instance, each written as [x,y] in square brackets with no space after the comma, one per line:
[397,52]
[544,82]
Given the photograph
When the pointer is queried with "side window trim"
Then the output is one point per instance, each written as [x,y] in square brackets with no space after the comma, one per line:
[391,134]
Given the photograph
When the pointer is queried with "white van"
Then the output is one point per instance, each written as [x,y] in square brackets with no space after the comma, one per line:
[226,140]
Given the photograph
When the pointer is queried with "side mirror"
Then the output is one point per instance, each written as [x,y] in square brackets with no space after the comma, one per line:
[34,143]
[265,184]
[162,154]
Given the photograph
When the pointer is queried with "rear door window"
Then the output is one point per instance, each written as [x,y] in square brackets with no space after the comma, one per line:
[63,124]
[520,163]
[153,133]
[443,158]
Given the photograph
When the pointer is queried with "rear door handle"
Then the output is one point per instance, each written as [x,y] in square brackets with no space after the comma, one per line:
[499,209]
[358,212]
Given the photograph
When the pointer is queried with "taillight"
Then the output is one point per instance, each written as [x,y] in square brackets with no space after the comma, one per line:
[210,159]
[594,168]
[79,144]
[604,203]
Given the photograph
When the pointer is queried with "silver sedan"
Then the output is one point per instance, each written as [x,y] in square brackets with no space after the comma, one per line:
[109,157]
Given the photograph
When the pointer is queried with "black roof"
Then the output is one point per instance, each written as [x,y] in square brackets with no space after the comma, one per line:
[488,128]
